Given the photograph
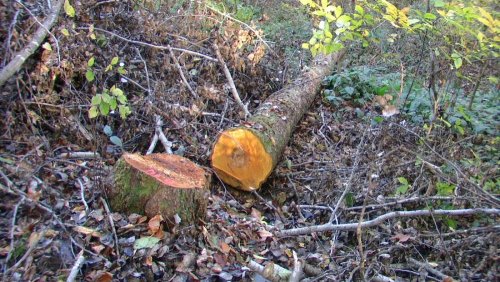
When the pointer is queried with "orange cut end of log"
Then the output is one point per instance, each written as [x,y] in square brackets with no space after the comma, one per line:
[240,159]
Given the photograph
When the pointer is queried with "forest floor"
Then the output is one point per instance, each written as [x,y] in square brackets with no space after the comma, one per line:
[343,165]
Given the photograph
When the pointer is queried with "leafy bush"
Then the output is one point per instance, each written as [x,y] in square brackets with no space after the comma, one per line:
[357,86]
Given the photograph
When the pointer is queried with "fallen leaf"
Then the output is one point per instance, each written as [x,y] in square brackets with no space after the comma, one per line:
[154,224]
[145,242]
[264,234]
[149,261]
[401,237]
[104,277]
[390,110]
[224,247]
[87,231]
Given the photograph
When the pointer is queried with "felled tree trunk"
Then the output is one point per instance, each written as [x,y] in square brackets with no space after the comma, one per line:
[163,184]
[245,156]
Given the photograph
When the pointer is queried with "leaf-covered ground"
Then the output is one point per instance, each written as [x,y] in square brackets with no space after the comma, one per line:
[54,209]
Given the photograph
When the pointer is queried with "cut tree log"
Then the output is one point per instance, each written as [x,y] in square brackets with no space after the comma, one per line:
[164,184]
[245,156]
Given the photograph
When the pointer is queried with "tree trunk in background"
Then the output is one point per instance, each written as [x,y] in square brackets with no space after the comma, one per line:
[245,156]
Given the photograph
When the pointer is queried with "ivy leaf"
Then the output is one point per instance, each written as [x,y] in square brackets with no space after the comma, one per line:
[116,140]
[70,11]
[107,130]
[112,104]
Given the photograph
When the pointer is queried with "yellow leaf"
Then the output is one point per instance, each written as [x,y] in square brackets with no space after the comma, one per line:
[70,11]
[47,46]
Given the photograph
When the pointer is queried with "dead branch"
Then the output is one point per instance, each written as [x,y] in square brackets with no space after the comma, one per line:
[152,45]
[181,72]
[76,267]
[15,64]
[429,268]
[271,271]
[229,78]
[297,269]
[159,135]
[381,219]
[111,222]
[79,155]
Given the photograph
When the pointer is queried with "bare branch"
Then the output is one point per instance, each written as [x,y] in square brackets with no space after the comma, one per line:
[227,73]
[181,72]
[15,64]
[379,220]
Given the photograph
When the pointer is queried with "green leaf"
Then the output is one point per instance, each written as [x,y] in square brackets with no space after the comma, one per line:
[145,242]
[70,11]
[122,71]
[438,3]
[338,11]
[106,98]
[445,189]
[122,99]
[401,190]
[65,32]
[116,140]
[93,112]
[457,62]
[114,61]
[359,10]
[104,109]
[451,223]
[124,111]
[116,91]
[349,199]
[112,104]
[90,75]
[96,100]
[403,180]
[429,16]
[349,90]
[305,45]
[91,62]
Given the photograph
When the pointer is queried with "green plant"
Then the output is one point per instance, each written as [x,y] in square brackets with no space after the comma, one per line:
[403,187]
[109,100]
[357,86]
[445,189]
[336,27]
[113,138]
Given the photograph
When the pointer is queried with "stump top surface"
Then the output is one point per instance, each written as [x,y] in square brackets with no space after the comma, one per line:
[171,170]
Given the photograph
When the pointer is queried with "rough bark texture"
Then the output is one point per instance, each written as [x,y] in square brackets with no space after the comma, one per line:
[273,123]
[160,184]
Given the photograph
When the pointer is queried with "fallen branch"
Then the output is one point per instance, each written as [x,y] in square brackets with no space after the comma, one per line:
[39,36]
[79,155]
[76,267]
[429,268]
[176,62]
[379,220]
[159,135]
[231,81]
[271,271]
[152,45]
[297,269]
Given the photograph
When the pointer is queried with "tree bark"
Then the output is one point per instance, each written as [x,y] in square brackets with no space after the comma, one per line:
[163,184]
[245,156]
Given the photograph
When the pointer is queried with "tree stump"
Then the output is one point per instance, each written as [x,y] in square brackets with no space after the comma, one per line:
[163,184]
[245,156]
